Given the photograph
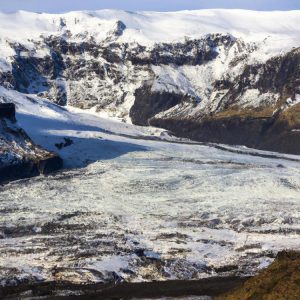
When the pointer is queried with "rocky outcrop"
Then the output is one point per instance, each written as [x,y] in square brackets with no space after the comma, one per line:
[277,76]
[271,126]
[191,52]
[147,104]
[8,111]
[279,133]
[19,156]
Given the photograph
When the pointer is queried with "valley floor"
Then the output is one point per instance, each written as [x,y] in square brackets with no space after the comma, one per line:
[136,204]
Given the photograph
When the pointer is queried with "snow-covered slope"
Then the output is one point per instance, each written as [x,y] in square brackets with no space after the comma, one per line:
[152,27]
[278,31]
[49,124]
[172,70]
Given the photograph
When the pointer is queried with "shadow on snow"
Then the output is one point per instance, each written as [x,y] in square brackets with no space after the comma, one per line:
[83,150]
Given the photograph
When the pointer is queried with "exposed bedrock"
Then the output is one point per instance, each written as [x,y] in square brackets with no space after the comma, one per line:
[272,125]
[88,73]
[147,104]
[8,110]
[278,76]
[19,156]
[258,133]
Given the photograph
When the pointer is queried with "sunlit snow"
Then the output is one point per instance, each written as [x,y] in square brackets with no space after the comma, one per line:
[140,203]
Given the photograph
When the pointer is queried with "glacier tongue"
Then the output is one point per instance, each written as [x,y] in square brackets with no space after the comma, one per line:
[140,208]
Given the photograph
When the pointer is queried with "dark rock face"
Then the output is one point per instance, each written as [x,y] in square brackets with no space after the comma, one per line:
[147,104]
[19,156]
[274,128]
[118,289]
[18,171]
[49,164]
[250,132]
[279,75]
[192,52]
[26,169]
[8,110]
[119,28]
[227,131]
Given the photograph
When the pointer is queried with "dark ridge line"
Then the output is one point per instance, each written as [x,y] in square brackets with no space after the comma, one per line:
[216,146]
[213,286]
[271,156]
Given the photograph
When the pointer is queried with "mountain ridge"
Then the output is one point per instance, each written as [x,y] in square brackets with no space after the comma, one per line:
[190,66]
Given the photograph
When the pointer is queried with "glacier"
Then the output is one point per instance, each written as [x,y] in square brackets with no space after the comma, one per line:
[137,203]
[140,203]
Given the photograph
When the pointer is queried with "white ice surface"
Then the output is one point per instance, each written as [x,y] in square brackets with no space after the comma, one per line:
[188,205]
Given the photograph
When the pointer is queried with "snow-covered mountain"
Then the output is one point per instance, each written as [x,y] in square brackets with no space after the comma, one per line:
[229,76]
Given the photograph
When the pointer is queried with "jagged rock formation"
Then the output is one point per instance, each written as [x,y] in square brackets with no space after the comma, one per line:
[19,156]
[213,87]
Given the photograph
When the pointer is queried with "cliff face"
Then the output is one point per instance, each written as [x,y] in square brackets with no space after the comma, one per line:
[19,156]
[223,87]
[270,119]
